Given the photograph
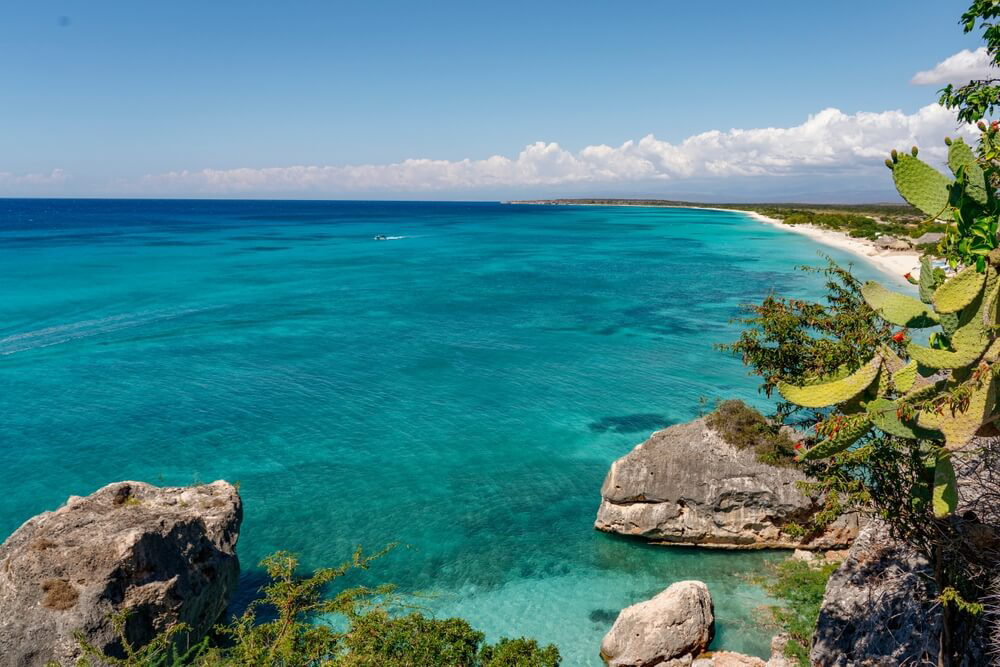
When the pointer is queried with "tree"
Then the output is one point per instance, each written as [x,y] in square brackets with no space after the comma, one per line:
[977,99]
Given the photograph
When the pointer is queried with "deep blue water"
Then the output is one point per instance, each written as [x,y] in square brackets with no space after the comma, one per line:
[461,389]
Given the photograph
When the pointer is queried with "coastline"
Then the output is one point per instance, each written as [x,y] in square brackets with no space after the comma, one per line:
[894,263]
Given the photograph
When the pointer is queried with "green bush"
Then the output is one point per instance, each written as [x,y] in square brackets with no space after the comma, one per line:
[300,632]
[742,426]
[800,589]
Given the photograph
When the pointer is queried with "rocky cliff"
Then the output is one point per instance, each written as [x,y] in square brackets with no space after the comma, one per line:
[685,485]
[880,609]
[165,555]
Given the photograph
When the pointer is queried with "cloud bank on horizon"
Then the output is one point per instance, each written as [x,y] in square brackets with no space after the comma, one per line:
[830,143]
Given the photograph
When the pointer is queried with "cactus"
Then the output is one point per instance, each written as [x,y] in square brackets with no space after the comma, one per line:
[945,496]
[920,184]
[852,429]
[958,425]
[904,378]
[884,415]
[943,394]
[901,310]
[927,282]
[961,157]
[824,394]
[958,291]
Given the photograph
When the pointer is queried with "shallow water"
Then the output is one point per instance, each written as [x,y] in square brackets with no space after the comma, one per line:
[460,389]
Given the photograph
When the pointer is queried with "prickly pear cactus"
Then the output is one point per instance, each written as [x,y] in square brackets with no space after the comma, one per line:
[962,161]
[920,184]
[825,394]
[845,433]
[901,310]
[940,394]
[958,292]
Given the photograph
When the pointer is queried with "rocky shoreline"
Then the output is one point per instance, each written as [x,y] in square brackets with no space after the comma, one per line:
[685,485]
[165,555]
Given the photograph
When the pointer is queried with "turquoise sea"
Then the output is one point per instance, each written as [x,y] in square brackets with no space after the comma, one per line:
[460,388]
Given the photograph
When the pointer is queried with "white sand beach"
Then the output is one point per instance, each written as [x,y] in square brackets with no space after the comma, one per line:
[893,262]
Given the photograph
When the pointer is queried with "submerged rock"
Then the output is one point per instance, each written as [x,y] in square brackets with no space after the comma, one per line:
[670,629]
[686,485]
[164,555]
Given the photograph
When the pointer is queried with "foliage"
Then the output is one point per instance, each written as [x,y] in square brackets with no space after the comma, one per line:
[742,426]
[302,631]
[893,417]
[785,340]
[856,225]
[980,97]
[800,588]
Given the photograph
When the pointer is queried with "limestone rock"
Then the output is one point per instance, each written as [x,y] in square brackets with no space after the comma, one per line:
[880,608]
[685,485]
[166,555]
[669,630]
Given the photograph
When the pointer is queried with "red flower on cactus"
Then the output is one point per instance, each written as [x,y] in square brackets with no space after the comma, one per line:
[798,445]
[899,335]
[908,276]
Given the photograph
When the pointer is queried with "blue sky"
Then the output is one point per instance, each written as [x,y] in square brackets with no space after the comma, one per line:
[184,98]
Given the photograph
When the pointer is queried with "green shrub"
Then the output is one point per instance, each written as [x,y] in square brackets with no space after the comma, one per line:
[800,589]
[519,653]
[300,633]
[742,426]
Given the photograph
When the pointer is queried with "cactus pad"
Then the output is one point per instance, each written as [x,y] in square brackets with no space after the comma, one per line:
[949,323]
[851,430]
[921,184]
[960,155]
[825,394]
[958,291]
[885,417]
[899,309]
[958,426]
[945,487]
[926,280]
[903,379]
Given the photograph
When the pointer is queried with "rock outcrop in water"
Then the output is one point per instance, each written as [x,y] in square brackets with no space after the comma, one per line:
[674,629]
[669,629]
[166,555]
[685,485]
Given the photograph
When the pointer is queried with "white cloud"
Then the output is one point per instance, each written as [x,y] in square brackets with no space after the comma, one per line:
[959,69]
[12,181]
[829,143]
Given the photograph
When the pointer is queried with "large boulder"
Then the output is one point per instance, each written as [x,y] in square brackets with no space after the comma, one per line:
[880,609]
[669,630]
[686,485]
[164,555]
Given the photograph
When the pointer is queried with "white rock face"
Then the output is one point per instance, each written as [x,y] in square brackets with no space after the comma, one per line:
[669,630]
[685,485]
[167,555]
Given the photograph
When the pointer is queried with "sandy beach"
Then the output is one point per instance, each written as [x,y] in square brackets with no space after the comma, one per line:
[893,262]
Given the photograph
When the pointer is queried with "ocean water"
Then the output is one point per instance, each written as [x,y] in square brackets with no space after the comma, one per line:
[459,389]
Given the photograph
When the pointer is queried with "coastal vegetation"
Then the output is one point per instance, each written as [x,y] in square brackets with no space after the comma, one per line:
[799,587]
[742,426]
[299,622]
[901,422]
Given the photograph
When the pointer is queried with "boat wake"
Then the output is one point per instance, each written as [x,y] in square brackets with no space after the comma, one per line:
[64,333]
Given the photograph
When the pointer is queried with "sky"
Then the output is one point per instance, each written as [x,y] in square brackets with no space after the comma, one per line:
[722,101]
